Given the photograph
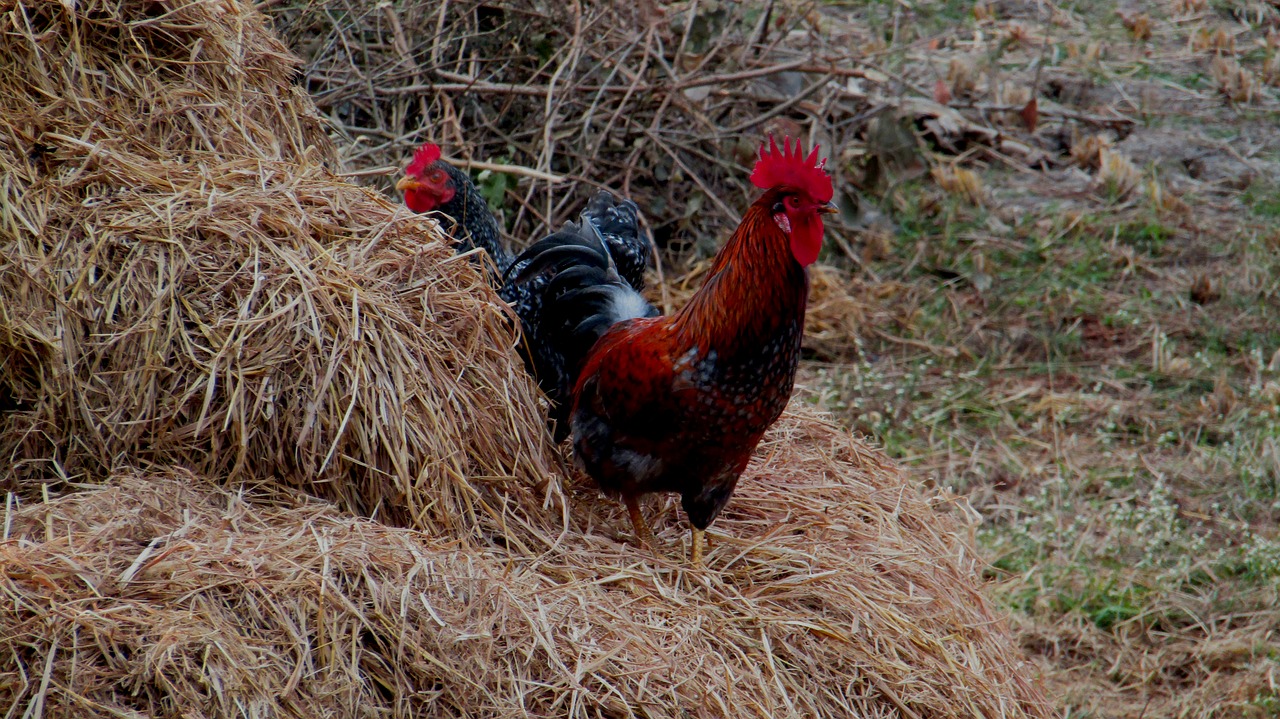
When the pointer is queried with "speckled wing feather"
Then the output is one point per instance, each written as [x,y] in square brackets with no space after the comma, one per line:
[619,224]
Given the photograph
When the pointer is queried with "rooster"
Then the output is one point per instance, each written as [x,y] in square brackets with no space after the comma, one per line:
[678,403]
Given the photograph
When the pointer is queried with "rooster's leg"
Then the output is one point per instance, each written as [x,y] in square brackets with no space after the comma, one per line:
[637,520]
[696,550]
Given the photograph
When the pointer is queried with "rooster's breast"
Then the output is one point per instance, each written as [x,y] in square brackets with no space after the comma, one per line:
[741,393]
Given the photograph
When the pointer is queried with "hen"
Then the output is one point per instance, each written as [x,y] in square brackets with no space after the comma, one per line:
[567,289]
[608,226]
[432,184]
[678,403]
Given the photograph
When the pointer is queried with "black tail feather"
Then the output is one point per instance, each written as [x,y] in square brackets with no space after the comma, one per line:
[567,291]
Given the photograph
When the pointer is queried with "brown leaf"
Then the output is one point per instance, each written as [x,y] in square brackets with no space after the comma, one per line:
[1204,290]
[1138,24]
[941,93]
[1030,114]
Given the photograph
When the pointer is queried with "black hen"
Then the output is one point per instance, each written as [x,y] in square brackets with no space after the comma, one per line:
[567,290]
[560,285]
[619,226]
[430,183]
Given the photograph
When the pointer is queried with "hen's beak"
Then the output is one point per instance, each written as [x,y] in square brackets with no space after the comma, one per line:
[407,183]
[828,209]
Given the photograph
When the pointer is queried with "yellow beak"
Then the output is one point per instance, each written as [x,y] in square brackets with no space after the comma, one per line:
[407,183]
[828,209]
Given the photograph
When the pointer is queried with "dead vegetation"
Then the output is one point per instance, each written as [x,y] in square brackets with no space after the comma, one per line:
[664,103]
[185,282]
[1054,292]
[837,592]
[1088,354]
[1017,303]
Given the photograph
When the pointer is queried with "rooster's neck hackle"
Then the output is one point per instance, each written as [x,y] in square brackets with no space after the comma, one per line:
[755,287]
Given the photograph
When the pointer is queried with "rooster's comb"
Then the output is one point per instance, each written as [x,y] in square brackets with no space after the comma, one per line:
[427,154]
[790,167]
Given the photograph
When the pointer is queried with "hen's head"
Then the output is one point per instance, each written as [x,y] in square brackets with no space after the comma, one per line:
[426,185]
[798,193]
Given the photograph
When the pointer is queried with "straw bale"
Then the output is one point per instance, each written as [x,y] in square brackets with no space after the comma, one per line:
[832,591]
[185,283]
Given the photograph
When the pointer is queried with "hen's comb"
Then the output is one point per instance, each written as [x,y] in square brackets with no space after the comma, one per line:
[427,154]
[791,168]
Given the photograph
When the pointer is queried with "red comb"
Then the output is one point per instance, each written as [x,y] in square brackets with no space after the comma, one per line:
[427,154]
[791,168]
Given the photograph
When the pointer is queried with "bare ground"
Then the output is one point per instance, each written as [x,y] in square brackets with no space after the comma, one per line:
[1087,349]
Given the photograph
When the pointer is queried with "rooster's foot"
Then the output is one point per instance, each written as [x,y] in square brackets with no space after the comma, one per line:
[695,551]
[643,533]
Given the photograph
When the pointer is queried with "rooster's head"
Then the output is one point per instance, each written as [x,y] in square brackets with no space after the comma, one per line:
[426,183]
[798,193]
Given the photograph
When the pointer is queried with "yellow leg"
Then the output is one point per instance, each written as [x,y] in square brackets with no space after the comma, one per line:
[696,549]
[637,520]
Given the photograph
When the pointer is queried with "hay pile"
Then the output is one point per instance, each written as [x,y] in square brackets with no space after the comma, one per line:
[185,283]
[188,290]
[836,592]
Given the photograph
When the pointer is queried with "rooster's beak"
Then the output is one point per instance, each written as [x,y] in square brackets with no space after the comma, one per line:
[407,183]
[828,209]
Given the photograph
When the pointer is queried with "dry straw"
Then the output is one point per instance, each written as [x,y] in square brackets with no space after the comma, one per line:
[185,282]
[835,592]
[186,285]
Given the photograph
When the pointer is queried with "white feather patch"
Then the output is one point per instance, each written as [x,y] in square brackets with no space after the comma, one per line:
[627,304]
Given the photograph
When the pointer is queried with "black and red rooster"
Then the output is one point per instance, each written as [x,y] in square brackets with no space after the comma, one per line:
[675,403]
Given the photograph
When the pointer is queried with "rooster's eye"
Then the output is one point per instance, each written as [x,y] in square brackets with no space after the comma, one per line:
[793,202]
[437,176]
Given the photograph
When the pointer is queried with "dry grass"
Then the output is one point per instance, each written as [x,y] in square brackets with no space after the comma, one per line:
[836,591]
[1117,175]
[186,283]
[961,182]
[1057,354]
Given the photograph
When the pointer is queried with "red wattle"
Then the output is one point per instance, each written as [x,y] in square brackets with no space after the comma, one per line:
[806,239]
[419,201]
